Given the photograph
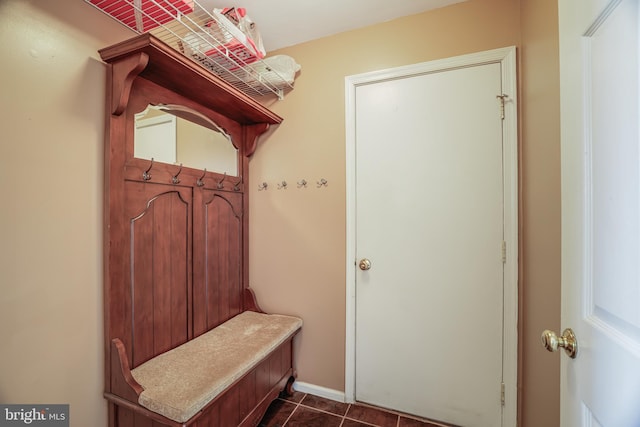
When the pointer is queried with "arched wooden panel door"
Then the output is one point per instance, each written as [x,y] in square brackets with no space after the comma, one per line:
[218,243]
[158,256]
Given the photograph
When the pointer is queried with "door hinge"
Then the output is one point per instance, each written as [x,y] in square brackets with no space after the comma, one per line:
[502,98]
[502,398]
[504,252]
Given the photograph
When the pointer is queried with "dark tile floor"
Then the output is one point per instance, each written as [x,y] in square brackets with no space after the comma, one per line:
[307,410]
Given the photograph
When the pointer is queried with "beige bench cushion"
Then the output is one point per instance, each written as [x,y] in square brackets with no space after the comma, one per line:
[180,382]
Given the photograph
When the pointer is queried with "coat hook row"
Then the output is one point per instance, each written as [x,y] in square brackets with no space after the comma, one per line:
[220,183]
[146,175]
[282,185]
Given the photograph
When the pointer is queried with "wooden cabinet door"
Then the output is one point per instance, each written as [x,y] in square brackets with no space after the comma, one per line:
[218,261]
[157,259]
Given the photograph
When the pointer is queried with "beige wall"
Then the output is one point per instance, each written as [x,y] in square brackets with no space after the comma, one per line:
[52,93]
[51,116]
[298,236]
[540,210]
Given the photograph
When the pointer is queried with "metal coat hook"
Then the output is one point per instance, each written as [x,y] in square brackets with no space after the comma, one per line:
[175,178]
[322,183]
[263,186]
[282,186]
[200,181]
[220,184]
[236,186]
[146,175]
[302,183]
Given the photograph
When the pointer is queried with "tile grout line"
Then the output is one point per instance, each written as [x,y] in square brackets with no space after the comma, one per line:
[344,417]
[400,415]
[294,410]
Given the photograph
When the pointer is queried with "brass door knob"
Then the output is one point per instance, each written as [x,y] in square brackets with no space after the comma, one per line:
[364,264]
[567,340]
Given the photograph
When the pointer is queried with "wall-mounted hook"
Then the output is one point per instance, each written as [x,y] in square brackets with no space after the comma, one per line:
[146,175]
[220,184]
[322,183]
[236,186]
[200,181]
[175,179]
[263,186]
[302,183]
[282,185]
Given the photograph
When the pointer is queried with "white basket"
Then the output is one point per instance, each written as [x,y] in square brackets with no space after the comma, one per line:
[278,70]
[213,41]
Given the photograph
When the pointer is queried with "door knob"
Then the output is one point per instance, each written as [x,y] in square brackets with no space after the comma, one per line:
[567,340]
[364,264]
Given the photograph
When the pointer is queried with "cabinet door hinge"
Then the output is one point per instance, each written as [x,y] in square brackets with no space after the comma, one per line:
[501,98]
[504,252]
[502,398]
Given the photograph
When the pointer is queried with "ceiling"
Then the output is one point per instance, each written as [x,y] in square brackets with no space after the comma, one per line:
[288,22]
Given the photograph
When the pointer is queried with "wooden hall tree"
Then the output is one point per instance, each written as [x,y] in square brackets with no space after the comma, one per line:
[176,240]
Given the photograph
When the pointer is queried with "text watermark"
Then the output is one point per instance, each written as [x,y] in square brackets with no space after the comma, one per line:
[34,415]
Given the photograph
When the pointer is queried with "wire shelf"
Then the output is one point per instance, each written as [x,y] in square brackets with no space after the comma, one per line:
[206,37]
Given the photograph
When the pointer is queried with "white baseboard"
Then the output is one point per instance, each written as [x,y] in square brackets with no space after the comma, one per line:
[319,391]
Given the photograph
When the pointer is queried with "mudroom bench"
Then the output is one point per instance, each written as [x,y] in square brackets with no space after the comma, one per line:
[230,373]
[185,341]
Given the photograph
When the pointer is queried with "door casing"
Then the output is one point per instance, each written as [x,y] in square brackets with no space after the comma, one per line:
[507,59]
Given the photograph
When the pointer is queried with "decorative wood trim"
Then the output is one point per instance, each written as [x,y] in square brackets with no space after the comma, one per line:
[171,69]
[250,301]
[252,134]
[122,382]
[124,73]
[117,402]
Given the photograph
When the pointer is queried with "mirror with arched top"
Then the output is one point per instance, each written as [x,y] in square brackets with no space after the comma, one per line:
[176,134]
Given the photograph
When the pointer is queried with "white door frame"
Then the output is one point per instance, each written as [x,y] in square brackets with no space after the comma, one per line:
[506,57]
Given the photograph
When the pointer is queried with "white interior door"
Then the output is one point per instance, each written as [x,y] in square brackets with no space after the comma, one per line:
[430,218]
[599,62]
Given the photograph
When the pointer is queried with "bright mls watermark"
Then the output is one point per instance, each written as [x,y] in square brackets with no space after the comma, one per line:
[34,415]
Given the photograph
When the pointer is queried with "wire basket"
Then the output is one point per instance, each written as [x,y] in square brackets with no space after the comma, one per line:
[206,37]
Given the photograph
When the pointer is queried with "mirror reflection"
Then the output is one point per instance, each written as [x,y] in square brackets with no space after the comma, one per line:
[175,134]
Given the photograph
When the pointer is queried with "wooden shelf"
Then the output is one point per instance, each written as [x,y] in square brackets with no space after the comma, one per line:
[170,69]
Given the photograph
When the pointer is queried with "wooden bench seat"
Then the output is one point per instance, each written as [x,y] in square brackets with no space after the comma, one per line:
[179,383]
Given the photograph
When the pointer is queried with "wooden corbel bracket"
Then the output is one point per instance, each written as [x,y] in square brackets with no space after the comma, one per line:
[123,73]
[252,133]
